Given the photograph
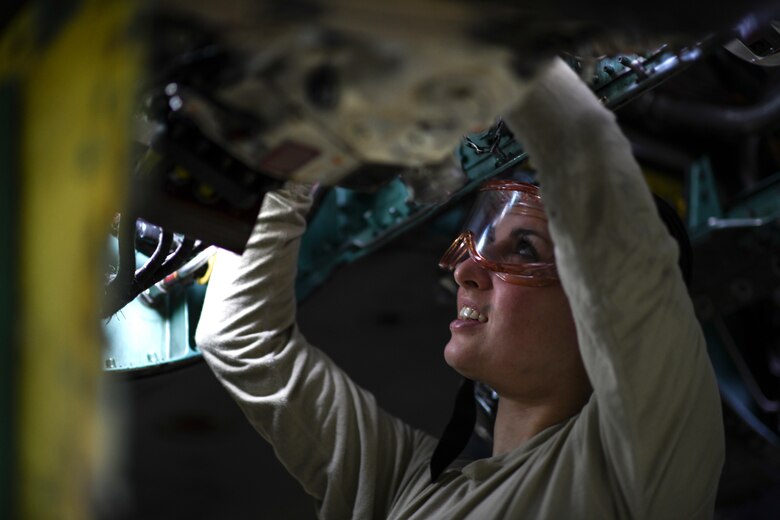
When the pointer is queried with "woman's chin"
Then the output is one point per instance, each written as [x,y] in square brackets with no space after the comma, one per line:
[458,357]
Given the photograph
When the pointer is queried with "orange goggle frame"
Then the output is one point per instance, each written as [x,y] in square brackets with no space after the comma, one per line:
[493,198]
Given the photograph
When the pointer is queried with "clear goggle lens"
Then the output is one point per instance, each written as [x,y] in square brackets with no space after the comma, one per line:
[507,233]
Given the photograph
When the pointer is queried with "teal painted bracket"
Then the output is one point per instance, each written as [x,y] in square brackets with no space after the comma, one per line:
[620,79]
[9,191]
[349,225]
[703,199]
[756,209]
[142,337]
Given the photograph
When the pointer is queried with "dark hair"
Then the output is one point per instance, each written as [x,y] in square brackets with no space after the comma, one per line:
[676,228]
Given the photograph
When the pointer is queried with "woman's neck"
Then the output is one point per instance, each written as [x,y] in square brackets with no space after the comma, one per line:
[516,421]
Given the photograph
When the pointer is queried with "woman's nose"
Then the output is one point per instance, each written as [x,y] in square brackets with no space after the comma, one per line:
[469,274]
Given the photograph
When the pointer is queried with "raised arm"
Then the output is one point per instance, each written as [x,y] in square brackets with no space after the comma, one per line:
[329,433]
[655,392]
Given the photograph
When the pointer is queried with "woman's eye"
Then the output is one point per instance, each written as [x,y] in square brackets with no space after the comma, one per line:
[524,248]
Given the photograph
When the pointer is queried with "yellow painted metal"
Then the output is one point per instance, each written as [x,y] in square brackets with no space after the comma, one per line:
[672,189]
[77,97]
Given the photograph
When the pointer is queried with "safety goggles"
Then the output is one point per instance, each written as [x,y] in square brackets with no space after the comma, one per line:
[507,233]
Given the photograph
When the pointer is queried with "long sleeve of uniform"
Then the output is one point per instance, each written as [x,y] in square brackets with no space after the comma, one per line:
[655,400]
[329,433]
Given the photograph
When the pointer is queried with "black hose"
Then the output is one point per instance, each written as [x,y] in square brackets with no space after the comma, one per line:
[176,259]
[145,273]
[123,280]
[124,287]
[710,118]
